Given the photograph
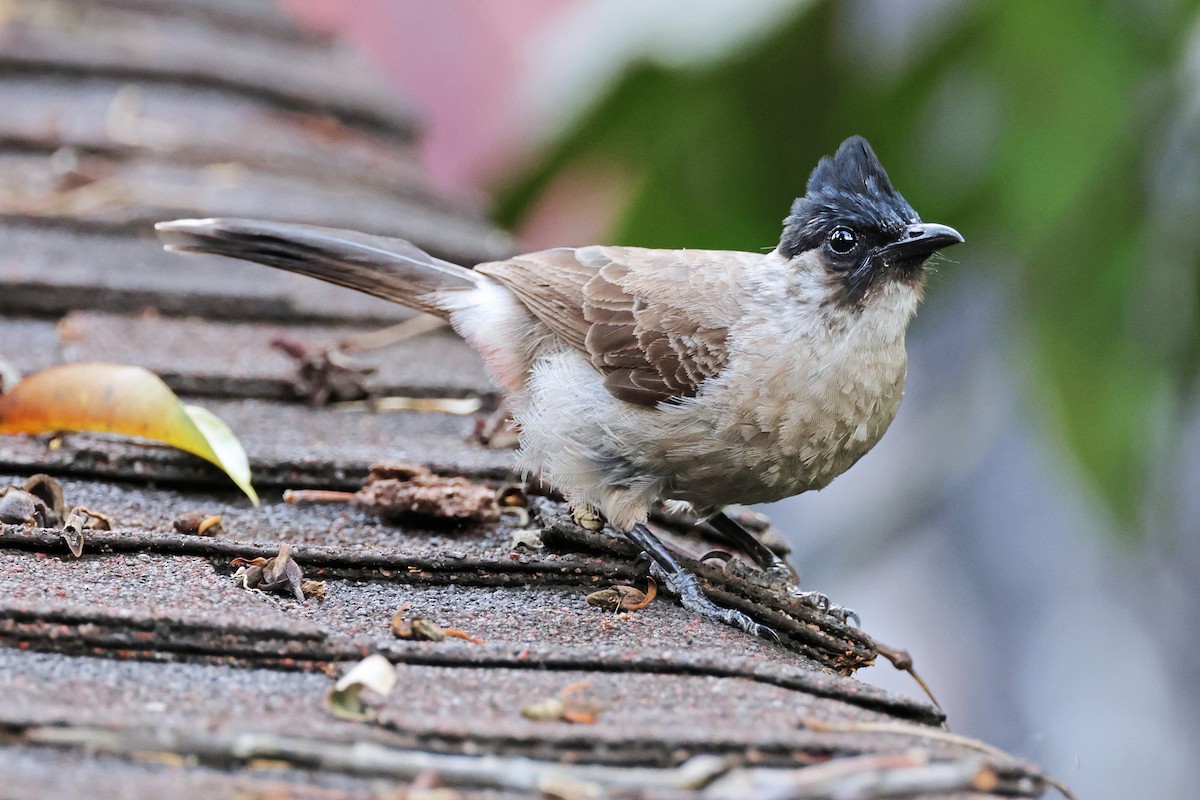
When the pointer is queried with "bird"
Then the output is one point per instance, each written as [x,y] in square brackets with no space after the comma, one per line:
[637,376]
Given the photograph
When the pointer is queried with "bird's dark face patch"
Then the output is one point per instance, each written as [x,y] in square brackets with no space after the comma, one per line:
[849,214]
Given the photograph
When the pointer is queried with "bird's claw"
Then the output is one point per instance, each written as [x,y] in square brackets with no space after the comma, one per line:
[773,572]
[686,586]
[815,600]
[779,573]
[845,615]
[820,602]
[723,556]
[774,576]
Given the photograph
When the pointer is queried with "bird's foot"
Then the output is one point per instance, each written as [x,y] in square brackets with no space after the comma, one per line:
[779,573]
[821,603]
[775,575]
[587,517]
[686,586]
[774,571]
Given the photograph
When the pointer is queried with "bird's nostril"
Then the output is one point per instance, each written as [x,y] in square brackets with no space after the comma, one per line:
[916,233]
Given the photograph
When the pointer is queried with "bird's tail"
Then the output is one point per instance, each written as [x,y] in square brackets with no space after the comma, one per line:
[393,269]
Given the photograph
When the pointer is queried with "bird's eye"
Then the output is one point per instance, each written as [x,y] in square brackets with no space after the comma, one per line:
[842,240]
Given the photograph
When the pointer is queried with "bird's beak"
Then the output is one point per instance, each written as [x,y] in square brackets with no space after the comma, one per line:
[922,239]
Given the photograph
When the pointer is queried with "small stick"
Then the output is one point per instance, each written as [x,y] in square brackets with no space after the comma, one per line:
[902,660]
[393,334]
[908,729]
[458,634]
[317,496]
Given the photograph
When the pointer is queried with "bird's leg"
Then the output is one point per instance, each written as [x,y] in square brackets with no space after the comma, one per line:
[684,583]
[777,568]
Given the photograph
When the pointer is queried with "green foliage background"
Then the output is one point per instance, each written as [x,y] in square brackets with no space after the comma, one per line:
[1061,138]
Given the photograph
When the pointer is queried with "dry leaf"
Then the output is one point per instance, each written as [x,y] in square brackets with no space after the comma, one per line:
[9,376]
[209,526]
[197,523]
[79,520]
[314,589]
[189,522]
[549,710]
[282,573]
[497,431]
[249,571]
[529,539]
[416,627]
[623,598]
[49,491]
[277,574]
[565,707]
[40,503]
[19,507]
[374,672]
[92,520]
[420,628]
[324,376]
[72,532]
[131,401]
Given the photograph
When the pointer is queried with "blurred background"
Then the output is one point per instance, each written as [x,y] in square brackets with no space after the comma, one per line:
[1028,527]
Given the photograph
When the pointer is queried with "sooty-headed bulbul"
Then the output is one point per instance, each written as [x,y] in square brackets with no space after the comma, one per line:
[696,376]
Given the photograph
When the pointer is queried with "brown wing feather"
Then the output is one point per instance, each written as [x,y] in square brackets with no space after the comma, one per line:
[654,322]
[550,284]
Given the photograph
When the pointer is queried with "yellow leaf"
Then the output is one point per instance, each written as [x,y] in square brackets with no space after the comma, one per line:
[120,399]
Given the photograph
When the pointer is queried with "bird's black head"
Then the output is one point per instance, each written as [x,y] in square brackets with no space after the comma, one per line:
[863,229]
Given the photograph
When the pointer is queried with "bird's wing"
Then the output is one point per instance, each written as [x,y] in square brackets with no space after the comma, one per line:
[653,322]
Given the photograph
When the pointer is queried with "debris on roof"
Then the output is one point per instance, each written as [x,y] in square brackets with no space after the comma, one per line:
[150,666]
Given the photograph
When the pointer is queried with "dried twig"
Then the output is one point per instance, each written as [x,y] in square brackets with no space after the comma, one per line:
[902,660]
[919,731]
[231,748]
[885,775]
[393,334]
[460,406]
[317,496]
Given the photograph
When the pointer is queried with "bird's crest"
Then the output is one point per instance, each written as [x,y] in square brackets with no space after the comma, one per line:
[850,187]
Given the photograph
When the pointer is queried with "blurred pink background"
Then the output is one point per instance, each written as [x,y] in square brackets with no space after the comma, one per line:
[468,104]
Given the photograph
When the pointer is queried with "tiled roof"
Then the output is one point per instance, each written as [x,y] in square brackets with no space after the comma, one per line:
[145,669]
